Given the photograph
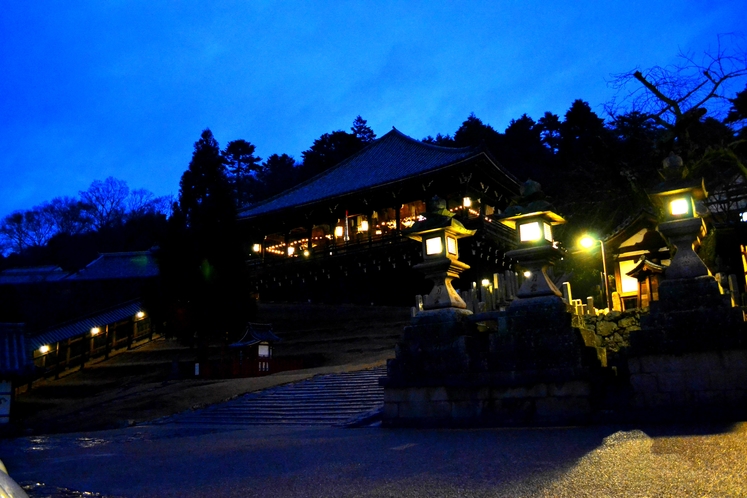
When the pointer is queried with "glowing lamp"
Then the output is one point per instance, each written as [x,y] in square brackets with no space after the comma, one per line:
[257,247]
[467,202]
[678,201]
[485,282]
[433,246]
[339,232]
[291,250]
[681,207]
[44,349]
[587,242]
[438,232]
[140,315]
[364,226]
[682,226]
[95,331]
[535,254]
[306,253]
[534,228]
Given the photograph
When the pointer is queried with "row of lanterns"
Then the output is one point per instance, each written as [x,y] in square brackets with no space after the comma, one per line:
[94,332]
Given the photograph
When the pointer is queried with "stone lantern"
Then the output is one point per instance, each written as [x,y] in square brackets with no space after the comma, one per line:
[439,232]
[682,226]
[537,251]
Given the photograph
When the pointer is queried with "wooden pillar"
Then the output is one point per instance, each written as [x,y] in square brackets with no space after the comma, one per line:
[397,210]
[107,346]
[369,218]
[131,335]
[57,363]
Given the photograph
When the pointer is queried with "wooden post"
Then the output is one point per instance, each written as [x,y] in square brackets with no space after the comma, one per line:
[106,342]
[398,225]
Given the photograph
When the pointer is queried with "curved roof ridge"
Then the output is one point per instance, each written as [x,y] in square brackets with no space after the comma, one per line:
[392,157]
[468,148]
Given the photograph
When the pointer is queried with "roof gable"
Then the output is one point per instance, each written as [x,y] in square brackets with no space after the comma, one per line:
[391,158]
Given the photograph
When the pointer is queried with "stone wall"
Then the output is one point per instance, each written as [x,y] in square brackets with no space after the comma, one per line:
[614,328]
[538,404]
[714,382]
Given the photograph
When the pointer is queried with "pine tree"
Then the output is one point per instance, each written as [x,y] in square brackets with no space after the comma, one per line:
[361,130]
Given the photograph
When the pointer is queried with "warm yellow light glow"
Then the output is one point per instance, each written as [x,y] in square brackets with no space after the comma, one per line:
[451,245]
[628,284]
[433,246]
[95,331]
[466,202]
[44,349]
[679,206]
[587,242]
[257,247]
[140,315]
[291,250]
[530,232]
[527,274]
[364,226]
[338,231]
[485,282]
[306,253]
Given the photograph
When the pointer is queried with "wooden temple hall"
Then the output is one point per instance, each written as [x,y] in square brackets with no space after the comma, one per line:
[337,236]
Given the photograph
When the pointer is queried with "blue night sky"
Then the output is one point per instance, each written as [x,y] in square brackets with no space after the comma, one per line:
[124,88]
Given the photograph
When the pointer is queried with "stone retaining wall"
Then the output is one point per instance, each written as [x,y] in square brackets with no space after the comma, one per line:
[614,328]
[713,380]
[542,403]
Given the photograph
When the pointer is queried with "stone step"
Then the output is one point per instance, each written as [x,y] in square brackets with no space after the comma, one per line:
[323,400]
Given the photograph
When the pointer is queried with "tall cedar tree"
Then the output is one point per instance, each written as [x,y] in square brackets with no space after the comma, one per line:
[202,261]
[242,165]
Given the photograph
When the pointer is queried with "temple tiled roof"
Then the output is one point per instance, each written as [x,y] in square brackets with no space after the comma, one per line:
[115,265]
[32,275]
[83,325]
[391,158]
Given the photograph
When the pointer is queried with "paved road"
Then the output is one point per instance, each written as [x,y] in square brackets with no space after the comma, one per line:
[221,453]
[295,461]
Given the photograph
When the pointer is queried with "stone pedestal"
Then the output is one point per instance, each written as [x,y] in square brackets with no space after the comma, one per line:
[685,235]
[533,368]
[441,272]
[689,360]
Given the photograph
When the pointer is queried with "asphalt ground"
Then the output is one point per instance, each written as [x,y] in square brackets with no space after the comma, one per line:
[282,461]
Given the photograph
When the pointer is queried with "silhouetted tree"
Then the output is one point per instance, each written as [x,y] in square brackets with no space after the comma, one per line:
[328,150]
[106,201]
[202,260]
[549,130]
[242,164]
[362,131]
[679,96]
[442,140]
[71,216]
[278,173]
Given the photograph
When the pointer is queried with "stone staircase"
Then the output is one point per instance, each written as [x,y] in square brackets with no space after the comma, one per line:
[334,399]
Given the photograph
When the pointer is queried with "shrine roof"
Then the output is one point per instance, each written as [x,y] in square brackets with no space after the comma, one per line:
[116,265]
[391,158]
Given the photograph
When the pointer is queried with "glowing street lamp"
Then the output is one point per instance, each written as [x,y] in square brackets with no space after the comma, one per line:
[587,242]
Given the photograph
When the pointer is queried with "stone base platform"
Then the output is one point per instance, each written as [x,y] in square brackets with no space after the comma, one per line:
[710,385]
[534,405]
